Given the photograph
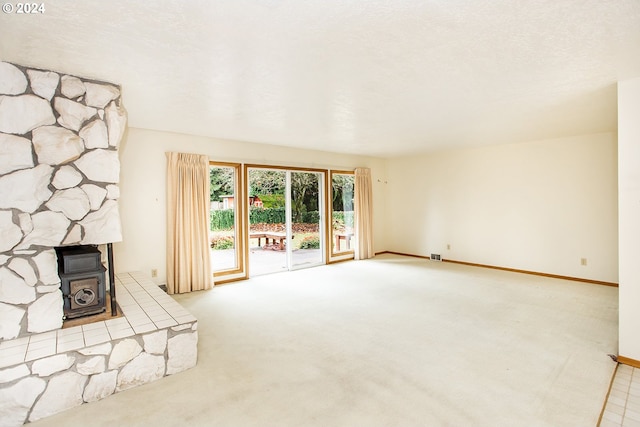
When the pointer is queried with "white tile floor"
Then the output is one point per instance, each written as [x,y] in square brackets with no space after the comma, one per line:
[622,408]
[145,308]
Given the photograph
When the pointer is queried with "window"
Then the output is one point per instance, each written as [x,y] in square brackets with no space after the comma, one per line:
[342,186]
[226,213]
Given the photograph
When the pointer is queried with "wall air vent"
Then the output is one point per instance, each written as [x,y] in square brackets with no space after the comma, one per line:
[436,257]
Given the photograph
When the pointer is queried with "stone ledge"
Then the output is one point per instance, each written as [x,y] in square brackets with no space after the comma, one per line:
[47,373]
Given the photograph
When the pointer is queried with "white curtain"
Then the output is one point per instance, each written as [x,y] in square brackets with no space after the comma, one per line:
[188,206]
[363,212]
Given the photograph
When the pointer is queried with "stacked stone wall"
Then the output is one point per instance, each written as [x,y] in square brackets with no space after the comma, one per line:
[59,174]
[43,387]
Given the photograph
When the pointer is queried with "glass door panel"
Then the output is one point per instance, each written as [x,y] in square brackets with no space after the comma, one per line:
[306,219]
[267,221]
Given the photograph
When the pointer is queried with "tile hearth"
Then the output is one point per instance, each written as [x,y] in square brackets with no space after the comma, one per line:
[145,308]
[49,372]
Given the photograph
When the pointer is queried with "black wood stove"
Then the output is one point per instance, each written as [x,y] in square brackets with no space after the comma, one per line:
[82,277]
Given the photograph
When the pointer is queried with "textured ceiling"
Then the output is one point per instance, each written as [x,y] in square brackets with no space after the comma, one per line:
[374,77]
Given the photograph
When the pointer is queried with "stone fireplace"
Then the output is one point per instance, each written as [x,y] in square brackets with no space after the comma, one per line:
[59,174]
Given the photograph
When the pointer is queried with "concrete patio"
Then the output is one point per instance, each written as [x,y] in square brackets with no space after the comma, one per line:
[266,261]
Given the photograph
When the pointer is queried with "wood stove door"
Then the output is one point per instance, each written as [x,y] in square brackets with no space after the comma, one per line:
[84,293]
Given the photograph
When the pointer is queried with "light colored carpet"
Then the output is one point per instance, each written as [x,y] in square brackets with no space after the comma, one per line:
[393,341]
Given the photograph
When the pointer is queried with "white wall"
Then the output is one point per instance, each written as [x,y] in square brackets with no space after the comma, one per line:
[537,206]
[143,187]
[629,209]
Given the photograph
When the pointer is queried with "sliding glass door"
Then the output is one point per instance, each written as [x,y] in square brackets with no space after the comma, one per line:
[285,219]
